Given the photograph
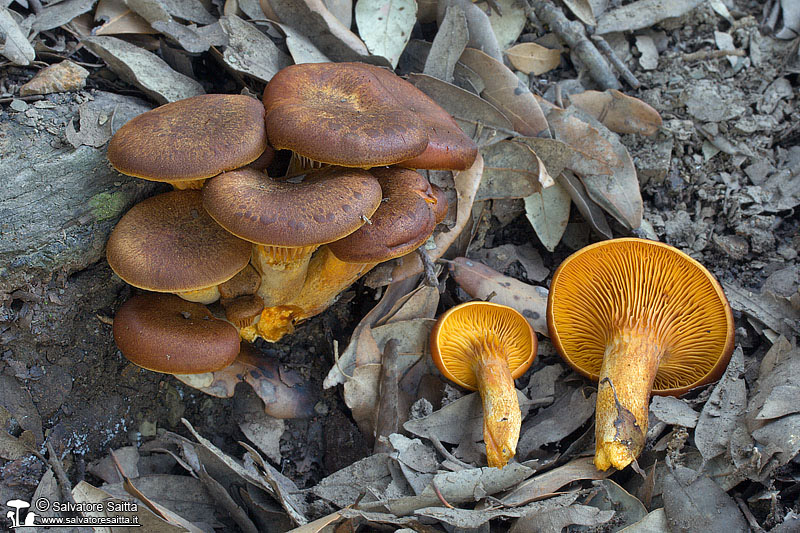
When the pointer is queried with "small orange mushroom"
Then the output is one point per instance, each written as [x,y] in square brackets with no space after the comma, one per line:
[485,346]
[638,316]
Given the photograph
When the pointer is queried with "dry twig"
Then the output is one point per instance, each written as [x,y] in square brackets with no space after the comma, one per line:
[574,34]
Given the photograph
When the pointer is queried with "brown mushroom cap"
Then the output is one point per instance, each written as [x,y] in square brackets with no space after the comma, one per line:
[342,114]
[448,148]
[649,287]
[168,243]
[324,207]
[401,224]
[190,139]
[460,334]
[164,333]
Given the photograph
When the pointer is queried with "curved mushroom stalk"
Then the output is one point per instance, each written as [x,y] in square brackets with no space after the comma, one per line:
[629,369]
[501,414]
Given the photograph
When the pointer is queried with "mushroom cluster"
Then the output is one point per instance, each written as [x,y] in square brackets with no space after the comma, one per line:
[272,251]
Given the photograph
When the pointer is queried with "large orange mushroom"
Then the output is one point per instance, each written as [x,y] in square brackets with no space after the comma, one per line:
[640,317]
[402,223]
[485,346]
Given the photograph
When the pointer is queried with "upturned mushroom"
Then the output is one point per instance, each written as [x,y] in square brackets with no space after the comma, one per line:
[642,318]
[288,220]
[359,115]
[402,223]
[485,346]
[168,243]
[185,142]
[164,333]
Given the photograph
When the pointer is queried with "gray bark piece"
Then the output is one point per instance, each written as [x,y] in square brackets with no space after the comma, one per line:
[59,204]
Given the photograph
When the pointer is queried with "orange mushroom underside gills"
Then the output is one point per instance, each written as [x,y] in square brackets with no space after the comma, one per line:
[640,317]
[484,346]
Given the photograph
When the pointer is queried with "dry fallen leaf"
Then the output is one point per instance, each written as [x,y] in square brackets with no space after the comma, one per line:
[508,21]
[385,26]
[479,28]
[345,487]
[300,47]
[448,45]
[361,340]
[590,211]
[143,69]
[458,487]
[16,47]
[583,10]
[511,170]
[148,521]
[693,502]
[568,413]
[477,118]
[627,508]
[57,14]
[285,394]
[643,14]
[507,92]
[777,381]
[467,183]
[249,51]
[317,23]
[484,283]
[533,58]
[544,485]
[548,212]
[601,161]
[619,112]
[95,128]
[560,518]
[723,411]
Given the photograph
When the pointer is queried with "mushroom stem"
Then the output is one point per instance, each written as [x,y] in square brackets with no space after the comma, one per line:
[326,277]
[501,415]
[283,272]
[629,369]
